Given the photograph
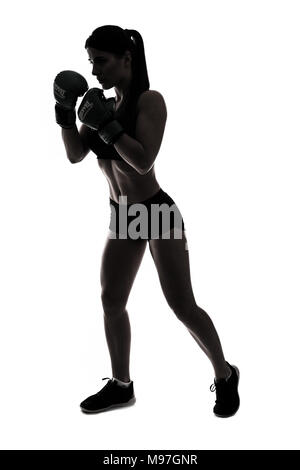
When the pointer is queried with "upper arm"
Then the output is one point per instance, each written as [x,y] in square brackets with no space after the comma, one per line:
[150,124]
[83,132]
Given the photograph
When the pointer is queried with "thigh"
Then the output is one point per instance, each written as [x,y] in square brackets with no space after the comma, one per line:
[171,258]
[119,265]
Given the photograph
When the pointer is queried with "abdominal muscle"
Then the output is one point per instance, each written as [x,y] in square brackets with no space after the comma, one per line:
[124,180]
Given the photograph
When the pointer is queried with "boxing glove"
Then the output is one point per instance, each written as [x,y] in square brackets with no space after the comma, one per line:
[96,112]
[67,87]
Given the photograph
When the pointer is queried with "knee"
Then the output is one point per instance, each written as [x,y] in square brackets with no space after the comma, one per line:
[112,306]
[183,308]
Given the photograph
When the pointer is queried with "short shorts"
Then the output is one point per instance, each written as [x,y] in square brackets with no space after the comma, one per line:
[146,220]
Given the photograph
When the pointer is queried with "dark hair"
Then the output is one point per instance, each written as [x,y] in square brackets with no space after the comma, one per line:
[114,39]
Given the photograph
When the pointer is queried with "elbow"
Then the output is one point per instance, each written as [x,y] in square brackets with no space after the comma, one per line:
[143,171]
[145,168]
[74,160]
[144,163]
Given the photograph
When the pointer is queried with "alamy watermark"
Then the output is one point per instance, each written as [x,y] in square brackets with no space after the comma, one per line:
[138,227]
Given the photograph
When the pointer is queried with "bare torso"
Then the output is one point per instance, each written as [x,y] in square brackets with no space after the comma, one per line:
[124,180]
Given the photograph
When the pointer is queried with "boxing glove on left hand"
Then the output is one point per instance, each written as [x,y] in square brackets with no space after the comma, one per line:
[95,111]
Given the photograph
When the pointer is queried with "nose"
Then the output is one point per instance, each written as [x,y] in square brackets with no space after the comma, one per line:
[96,70]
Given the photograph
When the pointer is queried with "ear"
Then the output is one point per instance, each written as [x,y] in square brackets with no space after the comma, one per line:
[128,56]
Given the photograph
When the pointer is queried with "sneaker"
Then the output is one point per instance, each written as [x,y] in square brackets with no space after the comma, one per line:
[112,395]
[228,400]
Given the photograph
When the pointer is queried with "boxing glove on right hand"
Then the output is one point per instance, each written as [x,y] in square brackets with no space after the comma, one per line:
[67,87]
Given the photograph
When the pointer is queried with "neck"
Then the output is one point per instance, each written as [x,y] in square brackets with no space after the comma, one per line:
[123,87]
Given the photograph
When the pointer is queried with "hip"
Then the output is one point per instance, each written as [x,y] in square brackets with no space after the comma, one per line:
[152,218]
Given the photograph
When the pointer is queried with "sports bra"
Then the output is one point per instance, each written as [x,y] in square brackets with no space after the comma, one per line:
[100,148]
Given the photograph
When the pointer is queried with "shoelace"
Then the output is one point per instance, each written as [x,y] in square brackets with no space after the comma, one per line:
[220,389]
[218,385]
[101,391]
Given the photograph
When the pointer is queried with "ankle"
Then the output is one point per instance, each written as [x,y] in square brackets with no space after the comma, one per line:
[122,383]
[122,379]
[225,374]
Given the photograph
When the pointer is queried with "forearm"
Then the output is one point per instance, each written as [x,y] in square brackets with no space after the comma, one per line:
[73,144]
[132,152]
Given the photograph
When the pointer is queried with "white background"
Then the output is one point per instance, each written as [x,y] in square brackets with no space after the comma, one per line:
[229,72]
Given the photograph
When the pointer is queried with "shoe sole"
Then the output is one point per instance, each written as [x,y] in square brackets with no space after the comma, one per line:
[232,414]
[116,405]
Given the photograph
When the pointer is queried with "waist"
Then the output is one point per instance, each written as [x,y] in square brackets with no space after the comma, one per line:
[159,197]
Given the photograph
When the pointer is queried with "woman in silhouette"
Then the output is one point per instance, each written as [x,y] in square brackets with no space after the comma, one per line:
[125,133]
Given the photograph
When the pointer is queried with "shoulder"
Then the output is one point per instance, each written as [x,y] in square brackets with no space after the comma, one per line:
[151,99]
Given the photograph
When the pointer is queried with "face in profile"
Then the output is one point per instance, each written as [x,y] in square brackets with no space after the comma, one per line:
[109,69]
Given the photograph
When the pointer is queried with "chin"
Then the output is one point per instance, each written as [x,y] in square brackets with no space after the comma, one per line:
[106,86]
